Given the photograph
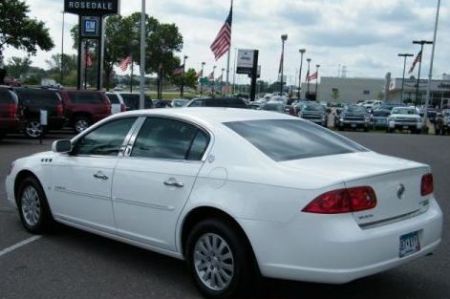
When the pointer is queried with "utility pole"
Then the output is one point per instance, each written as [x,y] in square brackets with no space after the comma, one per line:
[284,38]
[405,56]
[62,49]
[302,52]
[421,43]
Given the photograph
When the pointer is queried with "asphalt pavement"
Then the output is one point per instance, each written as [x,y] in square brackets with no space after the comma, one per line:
[73,264]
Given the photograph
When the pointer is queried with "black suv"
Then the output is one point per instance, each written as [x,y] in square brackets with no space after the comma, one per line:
[31,102]
[218,102]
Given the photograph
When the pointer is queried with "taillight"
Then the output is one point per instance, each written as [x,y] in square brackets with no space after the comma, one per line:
[12,111]
[427,185]
[59,110]
[343,201]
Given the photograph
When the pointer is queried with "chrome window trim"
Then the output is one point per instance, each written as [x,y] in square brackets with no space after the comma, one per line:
[190,122]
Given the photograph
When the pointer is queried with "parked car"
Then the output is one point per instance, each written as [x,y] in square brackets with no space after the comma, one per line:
[226,102]
[273,106]
[405,118]
[84,108]
[31,102]
[162,104]
[353,117]
[117,102]
[132,101]
[379,118]
[315,113]
[9,112]
[390,106]
[178,103]
[442,125]
[291,200]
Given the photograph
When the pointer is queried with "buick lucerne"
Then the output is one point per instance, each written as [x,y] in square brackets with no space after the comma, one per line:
[236,193]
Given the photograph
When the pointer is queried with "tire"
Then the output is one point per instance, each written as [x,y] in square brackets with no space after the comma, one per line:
[33,207]
[33,129]
[81,123]
[238,275]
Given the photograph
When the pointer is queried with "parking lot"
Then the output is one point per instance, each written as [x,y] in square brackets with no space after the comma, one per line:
[74,264]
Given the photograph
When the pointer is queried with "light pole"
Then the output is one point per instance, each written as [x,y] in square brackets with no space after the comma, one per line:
[430,75]
[284,38]
[62,48]
[307,79]
[221,81]
[142,62]
[421,43]
[184,76]
[302,52]
[201,84]
[317,79]
[405,56]
[214,81]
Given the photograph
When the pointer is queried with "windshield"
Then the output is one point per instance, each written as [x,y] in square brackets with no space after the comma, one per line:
[318,108]
[273,107]
[404,111]
[284,140]
[356,109]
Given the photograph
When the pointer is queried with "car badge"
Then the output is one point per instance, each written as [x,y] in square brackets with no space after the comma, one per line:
[401,191]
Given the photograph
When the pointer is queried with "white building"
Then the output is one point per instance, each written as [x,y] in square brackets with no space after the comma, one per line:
[440,91]
[345,90]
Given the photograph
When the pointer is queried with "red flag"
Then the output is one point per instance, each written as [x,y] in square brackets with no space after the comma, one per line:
[125,63]
[222,42]
[179,70]
[312,77]
[88,58]
[416,61]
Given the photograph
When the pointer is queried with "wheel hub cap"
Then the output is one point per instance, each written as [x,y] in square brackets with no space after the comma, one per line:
[31,206]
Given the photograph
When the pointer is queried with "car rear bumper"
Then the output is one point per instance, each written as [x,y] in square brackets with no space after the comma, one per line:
[9,125]
[334,249]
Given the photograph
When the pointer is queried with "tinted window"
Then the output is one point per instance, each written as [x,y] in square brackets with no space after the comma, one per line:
[105,140]
[284,140]
[198,146]
[381,113]
[356,109]
[167,139]
[197,103]
[6,96]
[113,98]
[86,97]
[132,101]
[35,97]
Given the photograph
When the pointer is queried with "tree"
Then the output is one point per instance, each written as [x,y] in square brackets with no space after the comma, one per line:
[188,79]
[18,67]
[19,31]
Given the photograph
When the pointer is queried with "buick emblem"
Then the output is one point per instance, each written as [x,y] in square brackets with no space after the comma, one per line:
[401,191]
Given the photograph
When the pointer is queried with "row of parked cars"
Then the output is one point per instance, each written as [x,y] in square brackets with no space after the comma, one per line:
[20,109]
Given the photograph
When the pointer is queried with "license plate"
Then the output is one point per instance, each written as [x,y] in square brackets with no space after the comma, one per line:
[409,244]
[353,126]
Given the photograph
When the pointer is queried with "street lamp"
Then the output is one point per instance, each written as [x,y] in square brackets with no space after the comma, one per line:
[214,81]
[405,56]
[302,52]
[183,78]
[307,79]
[201,84]
[421,43]
[317,79]
[284,38]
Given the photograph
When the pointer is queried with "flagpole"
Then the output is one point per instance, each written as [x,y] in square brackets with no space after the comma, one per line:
[229,50]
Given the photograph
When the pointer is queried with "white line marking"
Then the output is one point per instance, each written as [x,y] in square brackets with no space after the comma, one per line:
[18,245]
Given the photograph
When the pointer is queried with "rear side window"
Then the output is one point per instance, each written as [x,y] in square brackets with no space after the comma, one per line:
[236,103]
[284,140]
[197,103]
[162,138]
[6,97]
[36,97]
[132,101]
[86,98]
[113,98]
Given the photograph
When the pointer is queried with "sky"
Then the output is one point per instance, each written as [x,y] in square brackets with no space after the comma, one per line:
[363,35]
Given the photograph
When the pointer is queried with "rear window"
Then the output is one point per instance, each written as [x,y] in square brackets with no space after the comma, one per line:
[86,98]
[113,98]
[132,101]
[284,140]
[36,97]
[6,97]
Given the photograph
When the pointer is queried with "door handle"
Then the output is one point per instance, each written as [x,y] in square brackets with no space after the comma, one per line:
[101,176]
[172,182]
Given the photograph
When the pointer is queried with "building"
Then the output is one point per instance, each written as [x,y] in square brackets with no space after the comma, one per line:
[345,90]
[440,91]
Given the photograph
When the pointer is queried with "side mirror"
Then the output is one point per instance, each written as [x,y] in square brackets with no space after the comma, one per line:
[62,146]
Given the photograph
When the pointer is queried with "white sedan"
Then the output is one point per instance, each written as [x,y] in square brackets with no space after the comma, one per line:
[236,193]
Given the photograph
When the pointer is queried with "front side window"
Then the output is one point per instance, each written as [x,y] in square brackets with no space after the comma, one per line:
[283,140]
[105,140]
[162,138]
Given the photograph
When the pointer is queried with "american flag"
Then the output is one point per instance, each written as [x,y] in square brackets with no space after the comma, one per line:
[125,63]
[179,70]
[222,43]
[416,61]
[89,60]
[312,77]
[211,76]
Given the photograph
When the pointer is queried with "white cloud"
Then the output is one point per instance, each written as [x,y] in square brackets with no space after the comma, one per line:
[365,35]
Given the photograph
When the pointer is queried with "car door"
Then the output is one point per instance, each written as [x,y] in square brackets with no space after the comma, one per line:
[82,180]
[153,182]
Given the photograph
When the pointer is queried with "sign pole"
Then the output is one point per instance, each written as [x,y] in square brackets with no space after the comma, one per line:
[80,42]
[254,75]
[100,52]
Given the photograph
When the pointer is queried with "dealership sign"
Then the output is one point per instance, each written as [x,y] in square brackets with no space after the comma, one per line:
[245,61]
[92,7]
